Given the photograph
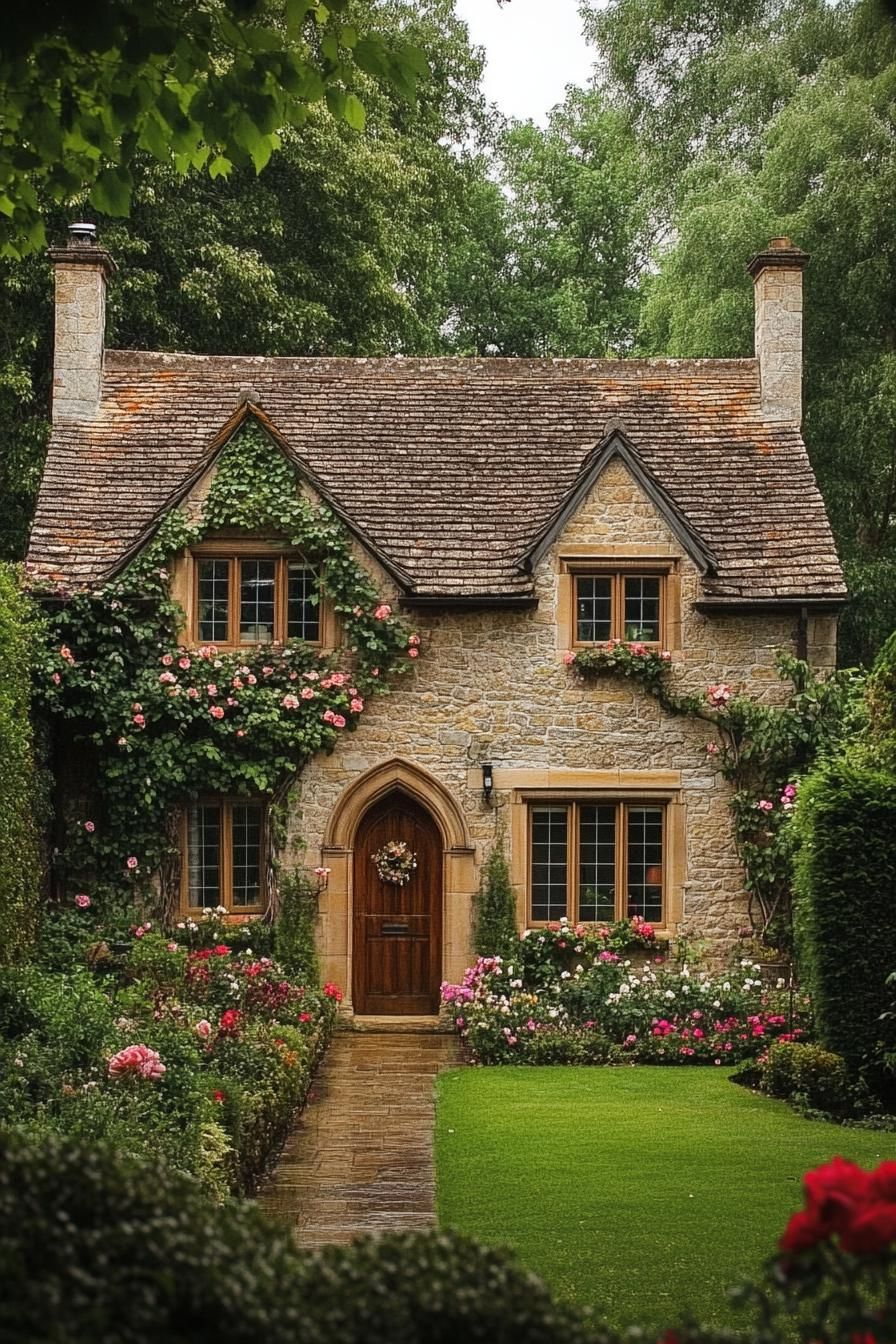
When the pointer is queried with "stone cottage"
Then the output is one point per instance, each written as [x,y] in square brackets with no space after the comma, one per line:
[516,509]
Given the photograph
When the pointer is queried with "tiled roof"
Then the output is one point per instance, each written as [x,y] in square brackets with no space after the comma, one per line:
[450,467]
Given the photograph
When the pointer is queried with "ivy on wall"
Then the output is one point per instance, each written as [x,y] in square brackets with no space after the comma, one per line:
[761,749]
[156,723]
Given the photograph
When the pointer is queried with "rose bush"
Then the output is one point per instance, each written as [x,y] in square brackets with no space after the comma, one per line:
[196,1051]
[567,994]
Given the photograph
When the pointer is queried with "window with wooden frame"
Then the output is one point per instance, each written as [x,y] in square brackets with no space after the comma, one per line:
[255,597]
[628,605]
[596,861]
[224,855]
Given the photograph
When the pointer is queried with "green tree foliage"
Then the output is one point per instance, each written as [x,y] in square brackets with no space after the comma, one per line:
[551,259]
[495,931]
[20,868]
[787,111]
[84,89]
[340,247]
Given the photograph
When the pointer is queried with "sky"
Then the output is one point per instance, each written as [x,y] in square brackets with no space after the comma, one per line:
[530,59]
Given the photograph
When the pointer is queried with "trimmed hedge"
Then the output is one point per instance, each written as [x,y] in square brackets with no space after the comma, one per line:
[20,867]
[95,1246]
[818,1077]
[846,895]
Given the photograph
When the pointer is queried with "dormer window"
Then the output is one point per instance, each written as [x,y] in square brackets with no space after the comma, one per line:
[618,606]
[254,598]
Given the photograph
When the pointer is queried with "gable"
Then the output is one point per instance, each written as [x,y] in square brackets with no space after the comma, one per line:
[617,512]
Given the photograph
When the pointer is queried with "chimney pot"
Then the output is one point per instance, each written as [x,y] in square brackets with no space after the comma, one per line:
[82,235]
[778,290]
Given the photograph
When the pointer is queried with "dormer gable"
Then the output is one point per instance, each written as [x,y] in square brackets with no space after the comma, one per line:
[616,447]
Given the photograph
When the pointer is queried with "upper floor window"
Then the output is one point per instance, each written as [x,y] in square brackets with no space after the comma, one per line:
[596,862]
[625,606]
[255,599]
[224,855]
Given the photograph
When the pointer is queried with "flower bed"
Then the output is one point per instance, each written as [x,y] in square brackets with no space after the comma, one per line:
[569,996]
[168,1045]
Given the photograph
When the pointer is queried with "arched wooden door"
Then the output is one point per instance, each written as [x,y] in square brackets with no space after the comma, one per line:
[397,929]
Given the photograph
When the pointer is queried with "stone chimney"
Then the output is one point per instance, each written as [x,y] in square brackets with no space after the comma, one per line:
[82,269]
[778,285]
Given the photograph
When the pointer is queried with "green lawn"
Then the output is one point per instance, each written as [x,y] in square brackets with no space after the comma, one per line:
[645,1191]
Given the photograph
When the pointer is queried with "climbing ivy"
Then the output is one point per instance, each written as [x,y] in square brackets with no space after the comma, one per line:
[761,749]
[155,723]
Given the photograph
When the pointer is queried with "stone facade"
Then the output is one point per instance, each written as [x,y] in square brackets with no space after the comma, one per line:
[492,686]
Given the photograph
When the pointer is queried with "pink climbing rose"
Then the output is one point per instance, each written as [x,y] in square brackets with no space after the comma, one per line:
[82,900]
[383,612]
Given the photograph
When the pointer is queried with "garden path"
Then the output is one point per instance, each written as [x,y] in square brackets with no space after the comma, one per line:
[360,1158]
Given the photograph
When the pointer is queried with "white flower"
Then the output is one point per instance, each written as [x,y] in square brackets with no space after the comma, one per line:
[717,1003]
[670,994]
[727,985]
[565,975]
[625,989]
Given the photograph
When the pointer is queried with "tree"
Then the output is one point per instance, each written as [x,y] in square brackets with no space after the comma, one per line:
[823,170]
[85,89]
[551,265]
[341,246]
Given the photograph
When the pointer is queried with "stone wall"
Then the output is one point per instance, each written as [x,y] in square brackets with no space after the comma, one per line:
[491,686]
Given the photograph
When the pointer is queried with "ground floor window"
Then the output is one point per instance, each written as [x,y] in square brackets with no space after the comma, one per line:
[224,854]
[596,861]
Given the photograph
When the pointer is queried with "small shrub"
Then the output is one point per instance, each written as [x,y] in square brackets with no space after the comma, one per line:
[495,930]
[295,945]
[814,1076]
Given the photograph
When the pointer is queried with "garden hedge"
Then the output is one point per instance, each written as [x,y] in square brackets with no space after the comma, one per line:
[20,867]
[846,891]
[96,1246]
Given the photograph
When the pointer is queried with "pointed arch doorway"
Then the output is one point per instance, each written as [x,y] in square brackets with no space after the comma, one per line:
[397,929]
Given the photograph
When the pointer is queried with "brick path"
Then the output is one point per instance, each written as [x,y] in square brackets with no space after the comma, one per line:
[360,1158]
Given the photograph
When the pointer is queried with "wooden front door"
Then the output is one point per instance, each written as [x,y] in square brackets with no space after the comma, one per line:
[397,929]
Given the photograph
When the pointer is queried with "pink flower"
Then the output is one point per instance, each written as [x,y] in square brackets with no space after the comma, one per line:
[374,671]
[712,748]
[171,947]
[168,678]
[383,612]
[132,862]
[413,640]
[328,716]
[251,679]
[290,701]
[139,720]
[322,872]
[765,806]
[240,732]
[82,901]
[413,653]
[56,679]
[357,611]
[237,684]
[136,1061]
[232,702]
[66,653]
[184,664]
[212,689]
[718,696]
[356,705]
[136,709]
[217,711]
[166,659]
[306,693]
[333,991]
[192,693]
[338,721]
[203,1029]
[89,827]
[122,741]
[569,657]
[666,656]
[267,671]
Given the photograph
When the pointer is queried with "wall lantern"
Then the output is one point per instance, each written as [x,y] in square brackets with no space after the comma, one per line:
[488,781]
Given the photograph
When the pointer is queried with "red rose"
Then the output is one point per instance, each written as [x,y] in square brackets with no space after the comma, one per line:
[804,1231]
[835,1192]
[872,1229]
[882,1184]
